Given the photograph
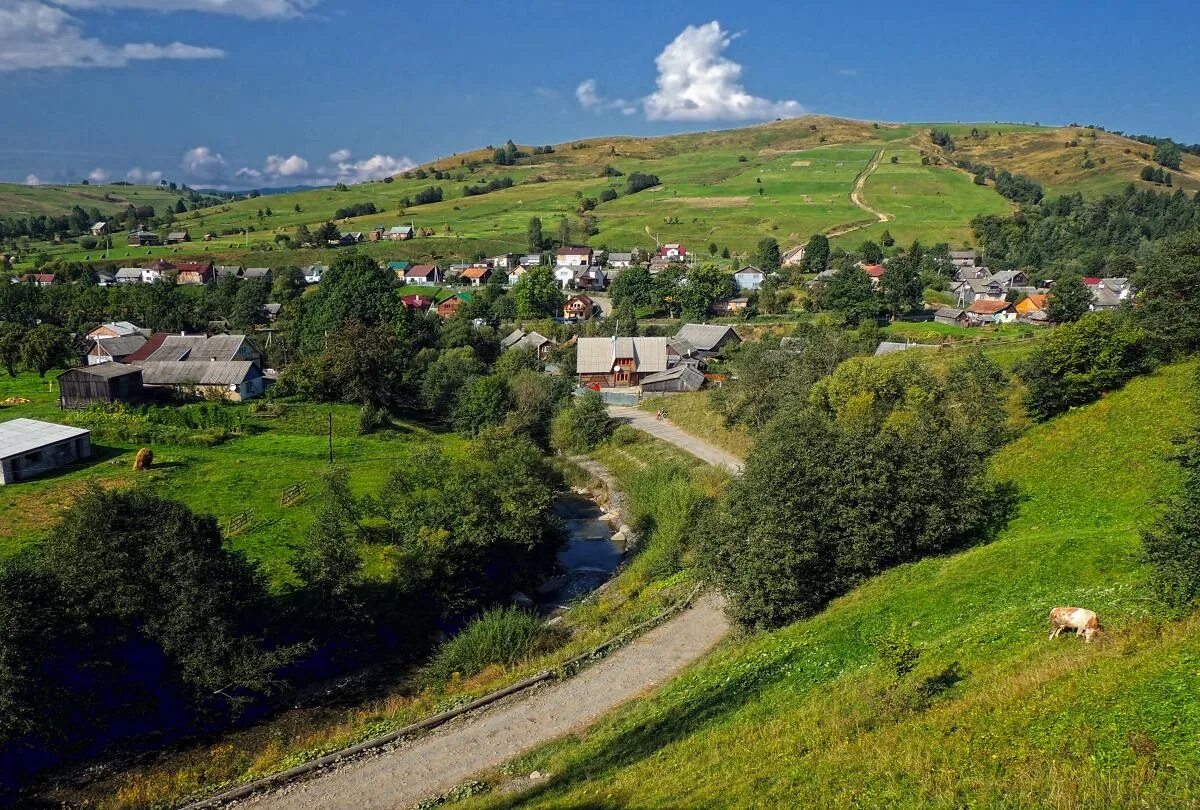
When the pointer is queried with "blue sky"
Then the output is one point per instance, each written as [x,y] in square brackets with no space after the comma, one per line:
[245,93]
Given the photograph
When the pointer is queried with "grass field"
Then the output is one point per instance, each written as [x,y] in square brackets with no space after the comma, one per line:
[19,201]
[244,473]
[1011,720]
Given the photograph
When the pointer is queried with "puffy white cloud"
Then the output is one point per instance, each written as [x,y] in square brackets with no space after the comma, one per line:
[99,176]
[697,83]
[340,156]
[294,166]
[252,9]
[36,34]
[376,167]
[143,178]
[590,99]
[32,180]
[201,164]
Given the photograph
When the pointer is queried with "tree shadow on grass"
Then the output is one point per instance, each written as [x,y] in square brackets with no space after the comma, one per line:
[641,734]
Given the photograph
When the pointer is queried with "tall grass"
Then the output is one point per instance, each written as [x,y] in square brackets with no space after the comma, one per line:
[504,636]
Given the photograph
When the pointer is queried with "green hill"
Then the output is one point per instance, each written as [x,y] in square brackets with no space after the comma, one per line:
[993,714]
[787,179]
[17,201]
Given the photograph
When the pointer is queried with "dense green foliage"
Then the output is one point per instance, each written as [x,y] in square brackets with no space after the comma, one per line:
[884,463]
[502,636]
[1172,545]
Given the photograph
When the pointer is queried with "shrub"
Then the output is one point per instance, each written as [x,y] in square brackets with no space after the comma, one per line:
[1172,545]
[502,636]
[625,435]
[640,182]
[582,426]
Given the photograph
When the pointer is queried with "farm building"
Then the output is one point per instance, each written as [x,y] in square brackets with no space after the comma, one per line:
[419,303]
[37,279]
[730,306]
[194,272]
[619,361]
[101,384]
[893,346]
[175,348]
[399,233]
[952,316]
[234,380]
[178,237]
[520,339]
[99,229]
[263,273]
[676,380]
[143,239]
[984,310]
[30,447]
[703,339]
[129,275]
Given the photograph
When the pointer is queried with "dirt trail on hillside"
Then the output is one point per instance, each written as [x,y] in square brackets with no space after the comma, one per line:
[471,744]
[856,198]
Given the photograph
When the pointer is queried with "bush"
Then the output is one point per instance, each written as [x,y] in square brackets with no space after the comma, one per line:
[582,426]
[640,182]
[503,636]
[625,435]
[1172,545]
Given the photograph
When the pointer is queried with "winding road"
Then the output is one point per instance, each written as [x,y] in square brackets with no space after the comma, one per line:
[432,764]
[856,198]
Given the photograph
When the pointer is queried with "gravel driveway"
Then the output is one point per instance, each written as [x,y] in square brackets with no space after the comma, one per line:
[645,421]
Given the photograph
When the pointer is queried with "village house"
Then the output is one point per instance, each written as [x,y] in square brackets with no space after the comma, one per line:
[971,290]
[970,272]
[427,274]
[129,275]
[30,447]
[233,380]
[748,278]
[113,329]
[702,340]
[952,316]
[103,384]
[678,380]
[619,261]
[514,275]
[1030,305]
[178,237]
[143,239]
[578,308]
[399,233]
[984,310]
[104,278]
[1011,278]
[962,258]
[99,229]
[875,272]
[376,234]
[730,306]
[1108,293]
[505,261]
[314,272]
[399,268]
[37,279]
[416,303]
[448,307]
[476,276]
[565,274]
[673,252]
[260,273]
[591,278]
[114,349]
[619,362]
[227,271]
[520,339]
[531,260]
[194,272]
[166,347]
[573,256]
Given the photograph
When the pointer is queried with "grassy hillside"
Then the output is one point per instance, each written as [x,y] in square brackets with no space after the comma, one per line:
[244,473]
[17,201]
[994,714]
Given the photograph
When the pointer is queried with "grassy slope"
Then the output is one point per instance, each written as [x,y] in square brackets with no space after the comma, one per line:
[244,473]
[18,201]
[798,715]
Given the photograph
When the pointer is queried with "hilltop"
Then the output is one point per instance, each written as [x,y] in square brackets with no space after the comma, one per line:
[728,188]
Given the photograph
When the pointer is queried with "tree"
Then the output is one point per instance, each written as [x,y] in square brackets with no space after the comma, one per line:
[326,234]
[330,563]
[355,288]
[1168,286]
[873,469]
[45,347]
[583,425]
[304,236]
[11,338]
[564,230]
[767,255]
[901,285]
[637,181]
[536,240]
[446,376]
[537,294]
[816,254]
[850,293]
[249,304]
[1168,154]
[634,284]
[624,318]
[1172,544]
[870,252]
[288,284]
[702,287]
[712,248]
[482,403]
[1069,299]
[886,239]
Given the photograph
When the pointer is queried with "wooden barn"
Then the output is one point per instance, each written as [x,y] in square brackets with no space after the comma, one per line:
[103,384]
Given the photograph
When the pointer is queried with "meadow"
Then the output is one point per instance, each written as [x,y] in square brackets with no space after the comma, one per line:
[993,714]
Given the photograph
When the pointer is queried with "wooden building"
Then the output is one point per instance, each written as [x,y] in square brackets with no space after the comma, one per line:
[102,384]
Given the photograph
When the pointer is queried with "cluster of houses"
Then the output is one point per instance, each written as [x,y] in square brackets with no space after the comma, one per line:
[1009,296]
[128,364]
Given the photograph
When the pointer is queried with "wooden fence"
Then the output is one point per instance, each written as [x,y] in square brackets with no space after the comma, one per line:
[293,495]
[238,523]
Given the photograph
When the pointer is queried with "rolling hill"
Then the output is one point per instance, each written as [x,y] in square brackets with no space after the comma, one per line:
[993,714]
[18,201]
[787,179]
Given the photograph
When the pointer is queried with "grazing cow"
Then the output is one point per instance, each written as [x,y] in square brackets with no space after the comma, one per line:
[1081,620]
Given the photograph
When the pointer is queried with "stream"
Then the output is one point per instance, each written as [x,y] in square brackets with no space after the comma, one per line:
[589,556]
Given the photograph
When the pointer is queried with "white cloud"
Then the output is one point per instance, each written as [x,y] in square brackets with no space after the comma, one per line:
[294,166]
[202,165]
[340,156]
[376,167]
[36,34]
[99,176]
[590,99]
[697,83]
[143,178]
[252,9]
[32,180]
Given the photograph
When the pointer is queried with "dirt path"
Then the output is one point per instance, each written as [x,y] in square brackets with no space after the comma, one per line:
[645,421]
[449,756]
[856,198]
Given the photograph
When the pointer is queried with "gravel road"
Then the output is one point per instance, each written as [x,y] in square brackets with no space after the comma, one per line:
[645,421]
[452,754]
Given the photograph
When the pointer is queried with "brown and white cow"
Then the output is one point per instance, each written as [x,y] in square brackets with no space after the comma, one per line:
[1081,620]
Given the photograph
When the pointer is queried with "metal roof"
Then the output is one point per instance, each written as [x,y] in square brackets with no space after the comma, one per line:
[120,346]
[107,370]
[197,372]
[705,336]
[596,355]
[122,328]
[19,436]
[198,347]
